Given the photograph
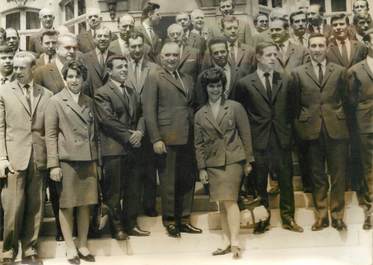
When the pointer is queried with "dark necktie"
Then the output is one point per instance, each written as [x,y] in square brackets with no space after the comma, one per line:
[321,73]
[4,80]
[268,85]
[28,95]
[344,52]
[127,93]
[232,53]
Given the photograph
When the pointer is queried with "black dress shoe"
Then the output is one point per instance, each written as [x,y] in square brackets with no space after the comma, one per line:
[292,226]
[75,260]
[151,212]
[8,261]
[262,226]
[59,238]
[88,258]
[136,231]
[32,260]
[220,251]
[188,228]
[120,235]
[173,230]
[367,223]
[339,224]
[320,224]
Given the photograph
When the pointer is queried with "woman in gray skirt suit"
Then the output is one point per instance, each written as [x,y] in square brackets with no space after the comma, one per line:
[222,141]
[72,155]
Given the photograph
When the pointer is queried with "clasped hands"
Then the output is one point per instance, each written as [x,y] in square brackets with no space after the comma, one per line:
[135,138]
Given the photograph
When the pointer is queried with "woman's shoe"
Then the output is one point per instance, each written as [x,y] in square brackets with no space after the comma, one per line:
[220,251]
[88,258]
[236,252]
[75,260]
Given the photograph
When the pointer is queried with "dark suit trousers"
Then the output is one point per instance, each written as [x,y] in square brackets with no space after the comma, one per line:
[278,160]
[121,182]
[23,202]
[334,153]
[365,193]
[55,192]
[177,179]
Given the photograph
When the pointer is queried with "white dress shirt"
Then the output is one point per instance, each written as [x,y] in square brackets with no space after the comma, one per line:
[262,78]
[6,78]
[316,67]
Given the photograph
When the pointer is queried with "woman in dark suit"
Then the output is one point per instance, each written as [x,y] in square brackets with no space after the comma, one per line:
[224,153]
[72,155]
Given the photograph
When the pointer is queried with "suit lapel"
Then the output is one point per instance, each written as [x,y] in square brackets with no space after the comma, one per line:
[175,82]
[276,85]
[335,50]
[329,69]
[223,111]
[367,69]
[353,50]
[210,118]
[144,73]
[119,94]
[311,73]
[185,56]
[56,76]
[259,87]
[20,96]
[66,97]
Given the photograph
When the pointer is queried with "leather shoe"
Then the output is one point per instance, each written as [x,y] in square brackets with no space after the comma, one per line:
[8,261]
[188,228]
[32,260]
[88,258]
[120,235]
[220,251]
[292,226]
[151,212]
[320,224]
[59,238]
[367,223]
[262,226]
[339,224]
[136,231]
[274,190]
[75,260]
[173,230]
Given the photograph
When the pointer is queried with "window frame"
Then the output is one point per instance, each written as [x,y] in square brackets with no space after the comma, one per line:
[76,20]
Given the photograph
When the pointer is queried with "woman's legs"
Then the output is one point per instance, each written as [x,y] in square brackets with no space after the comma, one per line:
[233,220]
[83,226]
[224,225]
[66,220]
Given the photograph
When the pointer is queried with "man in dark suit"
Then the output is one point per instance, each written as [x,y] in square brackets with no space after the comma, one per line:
[95,59]
[122,129]
[126,25]
[139,67]
[190,38]
[266,96]
[49,43]
[85,38]
[35,44]
[167,104]
[12,39]
[298,23]
[320,98]
[22,160]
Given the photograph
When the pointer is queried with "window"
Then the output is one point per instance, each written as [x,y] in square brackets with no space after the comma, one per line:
[13,21]
[270,3]
[32,20]
[338,6]
[74,15]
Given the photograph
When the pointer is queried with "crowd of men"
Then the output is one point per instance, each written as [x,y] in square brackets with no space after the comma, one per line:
[306,84]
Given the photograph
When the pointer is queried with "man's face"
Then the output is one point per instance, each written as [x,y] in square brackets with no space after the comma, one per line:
[313,15]
[47,21]
[299,24]
[49,44]
[219,54]
[94,20]
[183,20]
[22,70]
[136,48]
[230,31]
[198,20]
[360,7]
[226,8]
[155,17]
[74,81]
[102,39]
[12,39]
[363,25]
[262,23]
[126,26]
[119,72]
[317,48]
[66,49]
[278,33]
[340,28]
[6,62]
[175,34]
[170,57]
[268,58]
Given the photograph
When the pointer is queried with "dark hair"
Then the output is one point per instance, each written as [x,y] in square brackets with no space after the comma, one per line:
[366,2]
[76,65]
[149,8]
[136,34]
[296,13]
[339,16]
[317,35]
[212,75]
[285,23]
[49,32]
[109,62]
[262,45]
[359,17]
[5,49]
[259,15]
[217,40]
[229,19]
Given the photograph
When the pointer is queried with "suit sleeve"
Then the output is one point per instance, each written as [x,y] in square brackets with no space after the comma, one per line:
[51,134]
[3,150]
[108,120]
[295,93]
[353,89]
[199,144]
[244,131]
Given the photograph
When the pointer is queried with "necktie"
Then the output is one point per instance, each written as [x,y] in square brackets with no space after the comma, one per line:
[101,59]
[321,73]
[28,95]
[227,89]
[268,85]
[232,53]
[344,52]
[4,80]
[127,93]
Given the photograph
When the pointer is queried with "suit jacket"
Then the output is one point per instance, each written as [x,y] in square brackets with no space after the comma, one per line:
[190,62]
[115,48]
[358,53]
[155,44]
[267,115]
[360,78]
[85,41]
[326,30]
[34,44]
[116,116]
[295,56]
[224,140]
[196,41]
[22,131]
[320,103]
[167,106]
[244,31]
[69,129]
[145,68]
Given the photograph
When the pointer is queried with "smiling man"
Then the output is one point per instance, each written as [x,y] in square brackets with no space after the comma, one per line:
[49,42]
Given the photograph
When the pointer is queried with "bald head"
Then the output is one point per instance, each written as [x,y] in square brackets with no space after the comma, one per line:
[126,25]
[170,56]
[175,33]
[198,19]
[183,20]
[94,18]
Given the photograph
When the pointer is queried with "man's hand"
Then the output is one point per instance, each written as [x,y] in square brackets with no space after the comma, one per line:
[203,176]
[159,147]
[136,137]
[4,166]
[247,169]
[55,174]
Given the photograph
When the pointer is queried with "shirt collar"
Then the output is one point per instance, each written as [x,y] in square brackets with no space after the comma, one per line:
[31,85]
[118,84]
[134,62]
[74,96]
[9,77]
[315,64]
[217,103]
[339,42]
[261,73]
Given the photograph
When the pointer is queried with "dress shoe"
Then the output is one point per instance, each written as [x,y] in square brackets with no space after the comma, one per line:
[59,238]
[320,224]
[173,230]
[339,224]
[274,190]
[367,223]
[75,260]
[151,212]
[136,231]
[32,260]
[8,261]
[88,258]
[236,252]
[188,228]
[120,235]
[220,251]
[262,226]
[292,226]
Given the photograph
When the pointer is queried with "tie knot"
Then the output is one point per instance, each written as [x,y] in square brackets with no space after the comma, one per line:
[27,86]
[319,64]
[266,74]
[343,42]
